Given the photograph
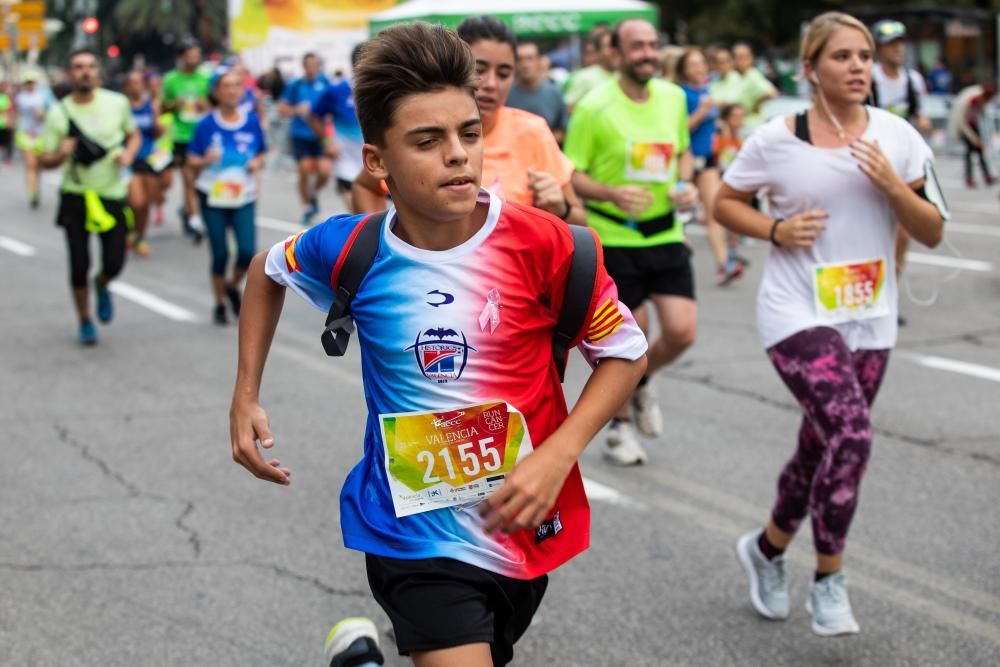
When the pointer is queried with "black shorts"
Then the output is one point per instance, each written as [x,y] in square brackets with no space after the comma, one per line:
[72,210]
[143,167]
[640,272]
[6,136]
[437,603]
[307,148]
[344,185]
[701,163]
[180,154]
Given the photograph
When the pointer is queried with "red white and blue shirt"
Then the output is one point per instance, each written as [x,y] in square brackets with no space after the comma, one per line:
[430,342]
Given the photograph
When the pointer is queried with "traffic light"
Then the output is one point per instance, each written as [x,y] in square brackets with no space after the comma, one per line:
[90,25]
[114,51]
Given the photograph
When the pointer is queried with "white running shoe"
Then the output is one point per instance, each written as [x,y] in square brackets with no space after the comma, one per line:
[648,416]
[196,223]
[353,641]
[768,584]
[830,607]
[622,447]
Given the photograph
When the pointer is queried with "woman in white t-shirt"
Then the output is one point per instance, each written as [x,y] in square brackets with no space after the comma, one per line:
[839,178]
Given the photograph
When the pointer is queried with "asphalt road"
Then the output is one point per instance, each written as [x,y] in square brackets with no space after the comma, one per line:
[128,536]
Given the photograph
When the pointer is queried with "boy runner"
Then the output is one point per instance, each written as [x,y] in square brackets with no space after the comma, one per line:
[455,320]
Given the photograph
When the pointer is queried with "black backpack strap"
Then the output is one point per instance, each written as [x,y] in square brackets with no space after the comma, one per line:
[802,127]
[873,99]
[576,301]
[912,99]
[360,256]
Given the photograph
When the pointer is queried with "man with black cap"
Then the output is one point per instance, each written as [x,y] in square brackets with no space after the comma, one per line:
[895,87]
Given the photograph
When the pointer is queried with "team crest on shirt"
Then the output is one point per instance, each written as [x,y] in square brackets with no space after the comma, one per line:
[441,353]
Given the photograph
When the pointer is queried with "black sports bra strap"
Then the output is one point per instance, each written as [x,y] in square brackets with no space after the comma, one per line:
[802,127]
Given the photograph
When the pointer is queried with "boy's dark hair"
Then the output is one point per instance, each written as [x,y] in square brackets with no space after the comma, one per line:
[481,28]
[356,53]
[83,51]
[406,60]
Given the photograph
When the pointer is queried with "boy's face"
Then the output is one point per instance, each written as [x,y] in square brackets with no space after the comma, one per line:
[432,157]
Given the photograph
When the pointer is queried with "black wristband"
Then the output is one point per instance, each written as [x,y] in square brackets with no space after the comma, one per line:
[567,211]
[774,228]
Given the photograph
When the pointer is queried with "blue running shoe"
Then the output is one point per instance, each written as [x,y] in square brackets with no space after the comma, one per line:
[105,309]
[88,333]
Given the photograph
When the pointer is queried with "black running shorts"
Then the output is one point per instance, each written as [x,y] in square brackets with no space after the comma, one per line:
[437,603]
[641,272]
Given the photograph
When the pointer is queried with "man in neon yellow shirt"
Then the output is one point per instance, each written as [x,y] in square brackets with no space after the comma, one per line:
[185,94]
[92,131]
[628,140]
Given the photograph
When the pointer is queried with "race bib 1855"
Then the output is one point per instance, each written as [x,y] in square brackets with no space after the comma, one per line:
[850,291]
[451,457]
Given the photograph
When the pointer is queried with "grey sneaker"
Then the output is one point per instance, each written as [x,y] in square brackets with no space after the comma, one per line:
[768,585]
[830,607]
[622,447]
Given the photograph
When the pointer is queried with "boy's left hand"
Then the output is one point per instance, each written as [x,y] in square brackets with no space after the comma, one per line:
[531,489]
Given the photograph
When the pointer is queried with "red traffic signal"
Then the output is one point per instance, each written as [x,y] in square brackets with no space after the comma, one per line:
[90,25]
[114,51]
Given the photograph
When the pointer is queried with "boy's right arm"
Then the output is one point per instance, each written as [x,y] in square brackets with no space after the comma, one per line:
[248,424]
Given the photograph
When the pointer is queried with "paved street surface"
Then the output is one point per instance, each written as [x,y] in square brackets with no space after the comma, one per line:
[129,537]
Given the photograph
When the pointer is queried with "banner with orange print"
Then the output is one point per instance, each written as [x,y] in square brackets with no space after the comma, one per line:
[253,22]
[451,457]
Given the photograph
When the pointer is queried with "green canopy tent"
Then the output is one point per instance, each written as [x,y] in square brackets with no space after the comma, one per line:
[536,18]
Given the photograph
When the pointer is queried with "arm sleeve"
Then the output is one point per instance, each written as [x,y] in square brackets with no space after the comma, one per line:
[261,136]
[748,172]
[579,134]
[305,261]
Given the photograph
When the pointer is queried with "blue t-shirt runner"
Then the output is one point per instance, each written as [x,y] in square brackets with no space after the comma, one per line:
[299,91]
[702,135]
[227,182]
[337,101]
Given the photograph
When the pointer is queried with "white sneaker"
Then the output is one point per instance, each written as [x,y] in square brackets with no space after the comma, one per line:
[830,607]
[353,641]
[768,584]
[622,447]
[196,223]
[648,416]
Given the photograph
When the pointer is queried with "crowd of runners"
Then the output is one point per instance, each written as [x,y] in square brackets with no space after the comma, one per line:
[469,287]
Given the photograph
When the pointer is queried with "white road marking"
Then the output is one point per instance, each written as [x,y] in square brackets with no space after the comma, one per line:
[16,247]
[949,262]
[953,366]
[152,302]
[606,494]
[970,228]
[279,225]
